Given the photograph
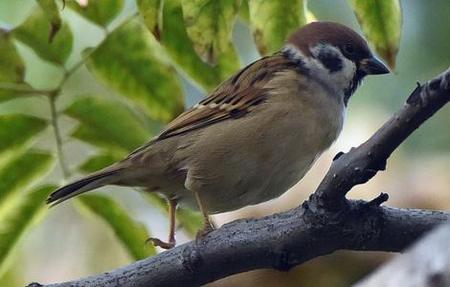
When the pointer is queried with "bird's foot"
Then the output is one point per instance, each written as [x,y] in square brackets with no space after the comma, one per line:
[159,243]
[205,231]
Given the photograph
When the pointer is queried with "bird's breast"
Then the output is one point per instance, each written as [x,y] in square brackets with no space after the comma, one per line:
[258,157]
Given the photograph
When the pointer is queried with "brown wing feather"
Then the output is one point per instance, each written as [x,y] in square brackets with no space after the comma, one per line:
[232,99]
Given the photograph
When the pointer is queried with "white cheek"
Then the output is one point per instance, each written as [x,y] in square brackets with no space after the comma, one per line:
[343,77]
[338,81]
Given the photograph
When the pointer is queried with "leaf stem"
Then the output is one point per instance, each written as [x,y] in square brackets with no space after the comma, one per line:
[57,133]
[76,66]
[67,74]
[24,89]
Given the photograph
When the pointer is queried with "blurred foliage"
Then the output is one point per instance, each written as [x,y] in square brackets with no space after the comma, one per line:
[171,33]
[98,161]
[16,173]
[131,234]
[19,208]
[16,216]
[36,32]
[381,21]
[16,130]
[273,21]
[124,131]
[12,68]
[99,12]
[146,53]
[52,13]
[141,73]
[151,11]
[209,24]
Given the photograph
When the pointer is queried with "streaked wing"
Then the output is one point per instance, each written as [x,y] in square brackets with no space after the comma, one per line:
[232,99]
[217,108]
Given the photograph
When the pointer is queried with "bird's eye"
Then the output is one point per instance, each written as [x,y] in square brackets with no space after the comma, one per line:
[348,49]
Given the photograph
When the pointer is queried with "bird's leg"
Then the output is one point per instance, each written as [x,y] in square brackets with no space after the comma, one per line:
[172,211]
[171,242]
[208,226]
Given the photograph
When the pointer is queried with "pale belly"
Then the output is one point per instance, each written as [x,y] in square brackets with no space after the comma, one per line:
[242,189]
[262,165]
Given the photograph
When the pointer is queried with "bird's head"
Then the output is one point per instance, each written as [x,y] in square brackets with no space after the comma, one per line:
[335,55]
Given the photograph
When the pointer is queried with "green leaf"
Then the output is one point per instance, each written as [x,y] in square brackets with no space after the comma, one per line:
[21,171]
[10,91]
[175,40]
[12,68]
[191,221]
[17,216]
[209,24]
[141,73]
[107,124]
[381,22]
[151,12]
[272,22]
[52,13]
[17,130]
[98,162]
[34,32]
[101,12]
[130,233]
[244,13]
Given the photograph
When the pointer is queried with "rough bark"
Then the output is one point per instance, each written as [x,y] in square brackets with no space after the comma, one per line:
[325,223]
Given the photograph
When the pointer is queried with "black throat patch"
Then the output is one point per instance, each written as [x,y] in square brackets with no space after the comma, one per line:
[356,81]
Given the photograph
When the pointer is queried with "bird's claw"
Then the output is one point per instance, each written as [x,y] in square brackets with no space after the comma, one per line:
[159,243]
[205,231]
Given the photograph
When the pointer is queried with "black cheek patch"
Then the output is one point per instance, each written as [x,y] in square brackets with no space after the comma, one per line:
[330,60]
[296,62]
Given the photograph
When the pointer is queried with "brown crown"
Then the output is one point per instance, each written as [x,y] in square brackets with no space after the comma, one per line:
[332,33]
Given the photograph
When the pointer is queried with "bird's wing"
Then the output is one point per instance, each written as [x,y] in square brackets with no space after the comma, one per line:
[232,99]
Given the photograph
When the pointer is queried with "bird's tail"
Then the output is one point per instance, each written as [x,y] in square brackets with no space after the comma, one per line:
[85,184]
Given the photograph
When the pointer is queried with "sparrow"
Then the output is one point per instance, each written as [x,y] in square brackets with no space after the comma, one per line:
[255,135]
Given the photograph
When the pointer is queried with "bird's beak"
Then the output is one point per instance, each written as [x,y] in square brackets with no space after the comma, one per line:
[373,66]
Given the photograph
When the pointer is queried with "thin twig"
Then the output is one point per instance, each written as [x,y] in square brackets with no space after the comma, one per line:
[58,137]
[23,89]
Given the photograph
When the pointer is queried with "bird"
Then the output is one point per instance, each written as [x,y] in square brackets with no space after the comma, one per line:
[255,136]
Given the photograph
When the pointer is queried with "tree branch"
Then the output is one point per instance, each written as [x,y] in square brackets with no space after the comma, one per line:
[325,223]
